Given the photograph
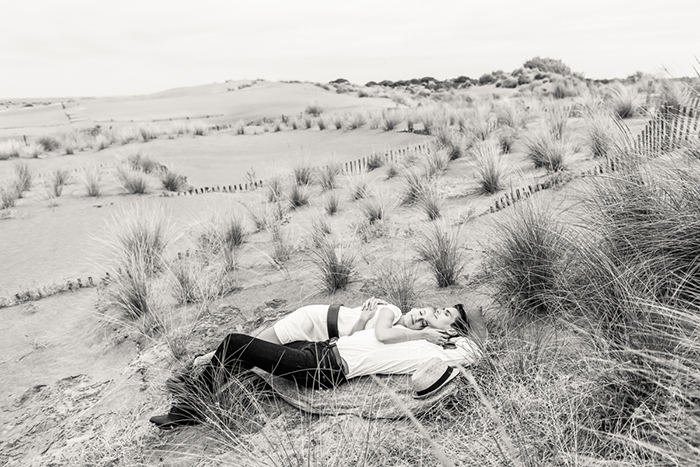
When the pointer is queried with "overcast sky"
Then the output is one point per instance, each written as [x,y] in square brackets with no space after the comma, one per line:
[97,48]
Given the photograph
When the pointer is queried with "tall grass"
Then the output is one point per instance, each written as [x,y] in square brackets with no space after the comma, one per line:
[546,150]
[57,181]
[358,188]
[92,181]
[430,201]
[625,100]
[328,175]
[355,121]
[331,204]
[9,149]
[298,196]
[335,266]
[436,162]
[49,143]
[397,282]
[440,247]
[171,180]
[374,208]
[390,121]
[32,150]
[23,178]
[524,261]
[275,189]
[601,130]
[222,234]
[489,166]
[282,247]
[449,141]
[139,160]
[8,195]
[416,182]
[134,182]
[303,173]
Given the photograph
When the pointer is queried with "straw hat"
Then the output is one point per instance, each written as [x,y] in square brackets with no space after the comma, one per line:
[431,377]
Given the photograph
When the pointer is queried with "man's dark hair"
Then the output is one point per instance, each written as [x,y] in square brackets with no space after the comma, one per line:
[461,324]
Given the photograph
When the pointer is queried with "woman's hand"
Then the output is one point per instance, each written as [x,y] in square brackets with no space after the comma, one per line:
[370,307]
[435,336]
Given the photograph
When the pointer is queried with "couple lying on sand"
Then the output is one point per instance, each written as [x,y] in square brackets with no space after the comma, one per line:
[318,346]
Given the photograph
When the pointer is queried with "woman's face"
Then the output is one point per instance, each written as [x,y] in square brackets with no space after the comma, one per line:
[416,318]
[442,318]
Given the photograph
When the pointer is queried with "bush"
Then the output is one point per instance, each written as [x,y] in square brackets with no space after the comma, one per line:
[133,181]
[525,261]
[171,180]
[331,205]
[486,78]
[547,65]
[430,200]
[489,167]
[374,162]
[625,101]
[9,149]
[335,266]
[397,282]
[49,143]
[314,110]
[545,150]
[57,181]
[328,175]
[23,178]
[440,248]
[8,195]
[374,210]
[509,83]
[91,182]
[303,173]
[275,189]
[298,196]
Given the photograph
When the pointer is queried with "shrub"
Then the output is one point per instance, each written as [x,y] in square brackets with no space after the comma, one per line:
[49,143]
[328,175]
[374,209]
[440,248]
[547,65]
[8,195]
[398,283]
[298,196]
[282,249]
[356,121]
[171,180]
[91,182]
[332,202]
[143,162]
[525,260]
[545,150]
[390,122]
[32,150]
[430,201]
[563,89]
[625,101]
[102,142]
[415,185]
[303,173]
[335,266]
[275,189]
[133,181]
[57,181]
[358,188]
[23,177]
[374,162]
[489,167]
[314,110]
[9,149]
[148,132]
[436,162]
[137,237]
[509,83]
[193,280]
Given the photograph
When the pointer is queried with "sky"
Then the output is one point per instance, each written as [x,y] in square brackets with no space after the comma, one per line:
[67,48]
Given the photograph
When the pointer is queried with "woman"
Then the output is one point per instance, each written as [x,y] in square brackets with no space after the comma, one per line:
[310,323]
[325,364]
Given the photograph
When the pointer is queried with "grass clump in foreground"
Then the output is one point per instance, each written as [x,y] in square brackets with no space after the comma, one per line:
[440,247]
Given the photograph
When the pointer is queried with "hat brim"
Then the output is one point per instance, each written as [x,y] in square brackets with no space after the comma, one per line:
[438,389]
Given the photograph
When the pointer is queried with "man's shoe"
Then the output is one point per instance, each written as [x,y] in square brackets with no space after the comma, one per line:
[178,416]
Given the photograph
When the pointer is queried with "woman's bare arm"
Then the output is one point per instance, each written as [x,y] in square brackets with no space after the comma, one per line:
[386,332]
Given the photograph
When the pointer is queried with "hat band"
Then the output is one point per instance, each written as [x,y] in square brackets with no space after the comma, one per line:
[440,381]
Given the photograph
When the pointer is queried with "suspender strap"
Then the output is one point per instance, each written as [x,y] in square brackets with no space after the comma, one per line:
[332,322]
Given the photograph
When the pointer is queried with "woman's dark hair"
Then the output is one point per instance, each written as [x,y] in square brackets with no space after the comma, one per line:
[461,324]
